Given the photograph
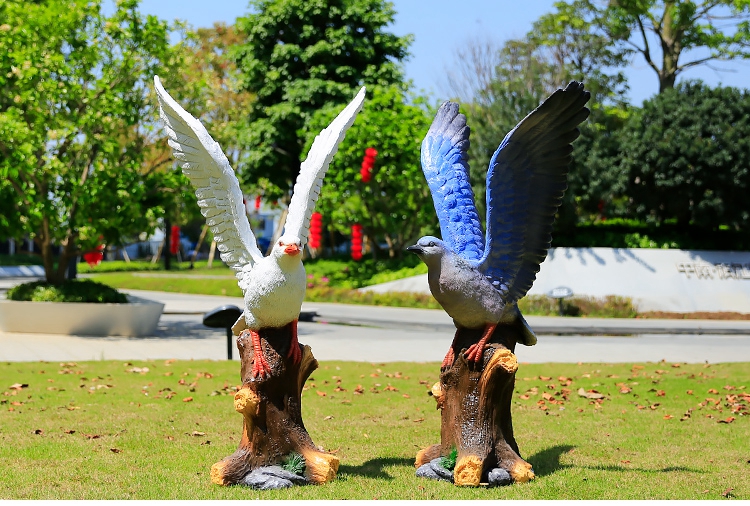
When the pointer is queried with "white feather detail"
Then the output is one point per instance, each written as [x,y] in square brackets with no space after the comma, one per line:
[313,169]
[216,185]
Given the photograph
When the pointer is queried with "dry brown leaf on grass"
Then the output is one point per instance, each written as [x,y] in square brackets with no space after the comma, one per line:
[727,420]
[187,399]
[115,450]
[590,394]
[19,386]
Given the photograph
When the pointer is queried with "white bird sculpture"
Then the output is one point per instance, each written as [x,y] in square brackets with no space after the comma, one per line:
[273,286]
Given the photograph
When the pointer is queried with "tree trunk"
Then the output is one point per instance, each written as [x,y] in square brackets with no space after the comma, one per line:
[271,409]
[475,404]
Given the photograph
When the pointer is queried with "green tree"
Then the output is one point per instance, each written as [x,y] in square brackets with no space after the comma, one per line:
[74,122]
[686,155]
[395,206]
[206,86]
[299,56]
[720,29]
[507,83]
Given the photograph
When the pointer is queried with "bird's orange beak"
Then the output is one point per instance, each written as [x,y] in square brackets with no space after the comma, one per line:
[292,250]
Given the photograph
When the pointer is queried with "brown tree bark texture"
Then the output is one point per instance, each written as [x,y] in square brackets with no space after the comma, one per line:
[475,404]
[271,410]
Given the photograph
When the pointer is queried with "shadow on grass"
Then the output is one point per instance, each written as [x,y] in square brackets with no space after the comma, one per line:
[375,468]
[547,462]
[670,469]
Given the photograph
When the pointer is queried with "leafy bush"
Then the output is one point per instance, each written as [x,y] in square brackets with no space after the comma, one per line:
[622,233]
[77,290]
[349,296]
[20,259]
[610,306]
[346,273]
[449,461]
[294,463]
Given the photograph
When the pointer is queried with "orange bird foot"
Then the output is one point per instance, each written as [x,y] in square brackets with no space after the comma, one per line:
[450,357]
[476,350]
[294,352]
[448,360]
[260,368]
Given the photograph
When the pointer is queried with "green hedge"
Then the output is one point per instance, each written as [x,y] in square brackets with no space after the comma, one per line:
[77,290]
[624,233]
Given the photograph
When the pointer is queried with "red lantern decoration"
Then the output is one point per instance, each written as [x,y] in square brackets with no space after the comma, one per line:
[174,243]
[94,258]
[367,164]
[316,230]
[357,242]
[257,202]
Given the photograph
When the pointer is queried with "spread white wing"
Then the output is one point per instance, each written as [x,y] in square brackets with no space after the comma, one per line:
[216,186]
[313,169]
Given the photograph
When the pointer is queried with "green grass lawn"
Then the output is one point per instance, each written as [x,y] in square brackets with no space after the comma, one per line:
[152,430]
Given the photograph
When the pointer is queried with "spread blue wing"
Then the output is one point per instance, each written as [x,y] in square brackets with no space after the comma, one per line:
[525,184]
[447,173]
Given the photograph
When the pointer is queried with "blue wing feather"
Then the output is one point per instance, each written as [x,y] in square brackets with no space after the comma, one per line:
[444,155]
[525,184]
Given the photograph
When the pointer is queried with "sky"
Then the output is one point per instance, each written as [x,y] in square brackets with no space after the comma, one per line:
[441,27]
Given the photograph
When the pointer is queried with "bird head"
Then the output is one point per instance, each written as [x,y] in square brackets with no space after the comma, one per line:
[287,247]
[429,249]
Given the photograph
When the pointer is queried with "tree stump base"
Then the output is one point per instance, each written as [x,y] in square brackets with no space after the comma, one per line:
[271,409]
[475,402]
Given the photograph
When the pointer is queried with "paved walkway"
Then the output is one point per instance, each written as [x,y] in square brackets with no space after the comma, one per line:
[387,334]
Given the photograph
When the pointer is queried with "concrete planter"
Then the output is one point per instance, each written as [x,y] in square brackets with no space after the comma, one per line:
[136,319]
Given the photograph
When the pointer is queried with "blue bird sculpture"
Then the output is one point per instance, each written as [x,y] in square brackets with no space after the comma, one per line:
[478,280]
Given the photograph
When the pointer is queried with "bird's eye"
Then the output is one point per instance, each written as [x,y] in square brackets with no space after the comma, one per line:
[281,243]
[431,243]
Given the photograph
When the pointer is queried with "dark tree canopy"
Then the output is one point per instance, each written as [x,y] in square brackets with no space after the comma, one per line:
[298,56]
[687,157]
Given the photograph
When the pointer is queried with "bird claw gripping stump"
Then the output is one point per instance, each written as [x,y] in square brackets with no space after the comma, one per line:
[271,409]
[475,407]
